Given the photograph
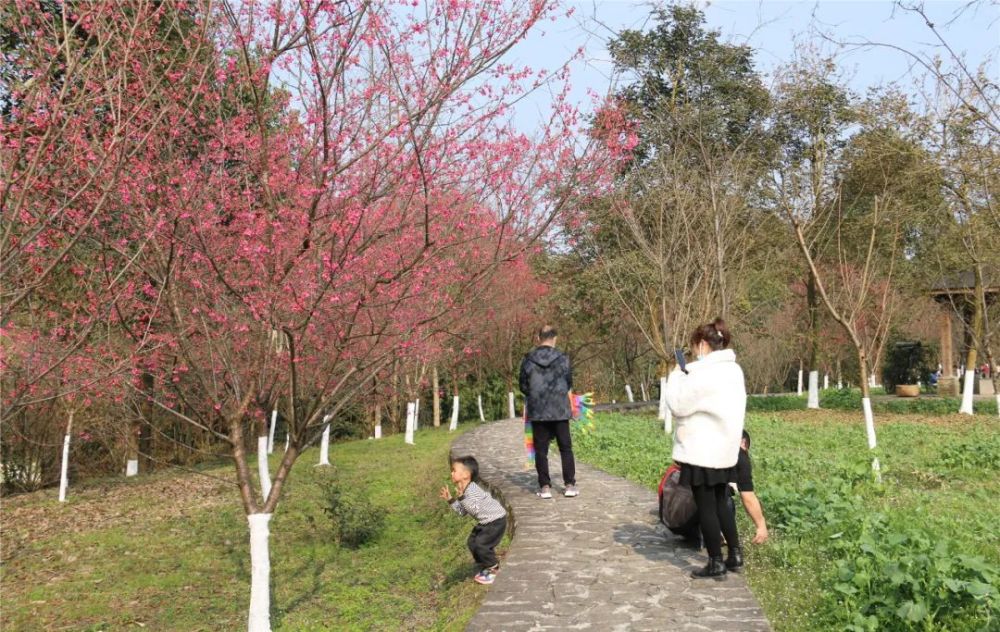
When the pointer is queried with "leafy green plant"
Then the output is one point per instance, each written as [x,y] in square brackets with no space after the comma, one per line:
[901,579]
[355,519]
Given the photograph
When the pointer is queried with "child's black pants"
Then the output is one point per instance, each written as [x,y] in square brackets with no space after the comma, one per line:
[483,542]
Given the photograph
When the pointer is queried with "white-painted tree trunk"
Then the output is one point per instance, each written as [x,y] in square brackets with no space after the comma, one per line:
[64,470]
[664,411]
[998,404]
[642,389]
[132,467]
[798,389]
[967,388]
[263,471]
[826,381]
[416,414]
[479,402]
[270,434]
[324,442]
[628,393]
[259,619]
[813,400]
[378,431]
[454,414]
[410,409]
[511,413]
[866,406]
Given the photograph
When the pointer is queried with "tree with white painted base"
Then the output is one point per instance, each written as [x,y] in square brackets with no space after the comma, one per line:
[454,414]
[324,443]
[64,466]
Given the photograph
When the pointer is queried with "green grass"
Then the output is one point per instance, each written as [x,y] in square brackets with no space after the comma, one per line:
[917,552]
[170,552]
[850,400]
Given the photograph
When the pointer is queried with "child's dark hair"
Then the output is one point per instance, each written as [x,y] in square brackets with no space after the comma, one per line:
[746,437]
[470,463]
[715,334]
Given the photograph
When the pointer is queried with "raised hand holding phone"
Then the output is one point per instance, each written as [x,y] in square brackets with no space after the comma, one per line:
[681,360]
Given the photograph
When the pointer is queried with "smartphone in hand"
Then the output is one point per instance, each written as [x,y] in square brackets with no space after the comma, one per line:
[681,360]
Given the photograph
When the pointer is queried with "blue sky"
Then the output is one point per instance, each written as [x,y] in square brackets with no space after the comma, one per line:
[774,29]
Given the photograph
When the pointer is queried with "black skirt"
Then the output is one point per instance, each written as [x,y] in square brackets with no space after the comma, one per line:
[697,476]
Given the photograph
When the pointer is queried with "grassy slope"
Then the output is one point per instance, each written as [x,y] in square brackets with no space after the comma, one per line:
[141,551]
[936,475]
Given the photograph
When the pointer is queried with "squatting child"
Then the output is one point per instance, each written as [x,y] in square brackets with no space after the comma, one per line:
[491,517]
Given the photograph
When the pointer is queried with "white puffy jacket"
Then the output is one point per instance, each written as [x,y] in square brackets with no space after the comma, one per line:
[709,405]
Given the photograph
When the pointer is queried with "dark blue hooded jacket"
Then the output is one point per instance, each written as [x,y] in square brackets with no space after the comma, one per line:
[546,380]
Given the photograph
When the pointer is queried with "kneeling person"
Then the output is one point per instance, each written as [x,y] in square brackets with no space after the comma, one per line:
[491,517]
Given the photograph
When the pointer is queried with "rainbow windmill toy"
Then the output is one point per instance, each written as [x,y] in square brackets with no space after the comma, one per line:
[582,409]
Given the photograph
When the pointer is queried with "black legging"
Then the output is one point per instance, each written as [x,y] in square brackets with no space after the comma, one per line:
[715,517]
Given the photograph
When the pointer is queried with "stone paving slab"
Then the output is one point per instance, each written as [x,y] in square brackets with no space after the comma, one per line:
[600,561]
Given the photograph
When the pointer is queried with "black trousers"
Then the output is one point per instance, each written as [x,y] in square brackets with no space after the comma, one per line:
[542,433]
[716,516]
[483,542]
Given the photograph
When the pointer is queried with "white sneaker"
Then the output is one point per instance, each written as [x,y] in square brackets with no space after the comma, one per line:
[571,491]
[545,492]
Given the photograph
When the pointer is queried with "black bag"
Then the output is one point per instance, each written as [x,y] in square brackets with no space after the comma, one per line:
[677,508]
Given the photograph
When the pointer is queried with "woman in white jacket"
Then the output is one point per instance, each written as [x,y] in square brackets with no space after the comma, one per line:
[708,402]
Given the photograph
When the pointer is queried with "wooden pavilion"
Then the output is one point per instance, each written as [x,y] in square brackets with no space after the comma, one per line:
[957,295]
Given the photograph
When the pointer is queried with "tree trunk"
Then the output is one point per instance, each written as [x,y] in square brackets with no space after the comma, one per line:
[812,299]
[454,413]
[866,407]
[263,471]
[511,413]
[665,414]
[377,426]
[146,428]
[975,337]
[259,619]
[628,393]
[324,443]
[132,448]
[436,385]
[410,423]
[479,402]
[64,469]
[274,425]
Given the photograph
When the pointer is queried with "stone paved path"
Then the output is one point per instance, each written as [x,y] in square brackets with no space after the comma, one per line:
[600,561]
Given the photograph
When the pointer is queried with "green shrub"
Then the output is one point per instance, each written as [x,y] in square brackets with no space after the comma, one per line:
[906,362]
[355,519]
[775,403]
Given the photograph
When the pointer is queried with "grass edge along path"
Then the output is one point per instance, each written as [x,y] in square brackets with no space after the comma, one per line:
[918,553]
[144,555]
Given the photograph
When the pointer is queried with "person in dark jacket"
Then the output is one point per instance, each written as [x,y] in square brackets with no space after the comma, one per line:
[546,380]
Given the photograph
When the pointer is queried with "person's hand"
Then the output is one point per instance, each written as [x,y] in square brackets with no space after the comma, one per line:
[445,493]
[761,536]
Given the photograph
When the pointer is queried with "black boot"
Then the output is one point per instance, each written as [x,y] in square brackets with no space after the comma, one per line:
[735,559]
[715,568]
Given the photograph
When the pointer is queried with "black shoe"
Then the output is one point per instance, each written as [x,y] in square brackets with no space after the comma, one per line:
[715,568]
[735,559]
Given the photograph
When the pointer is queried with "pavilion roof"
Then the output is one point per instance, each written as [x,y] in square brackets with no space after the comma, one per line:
[965,283]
